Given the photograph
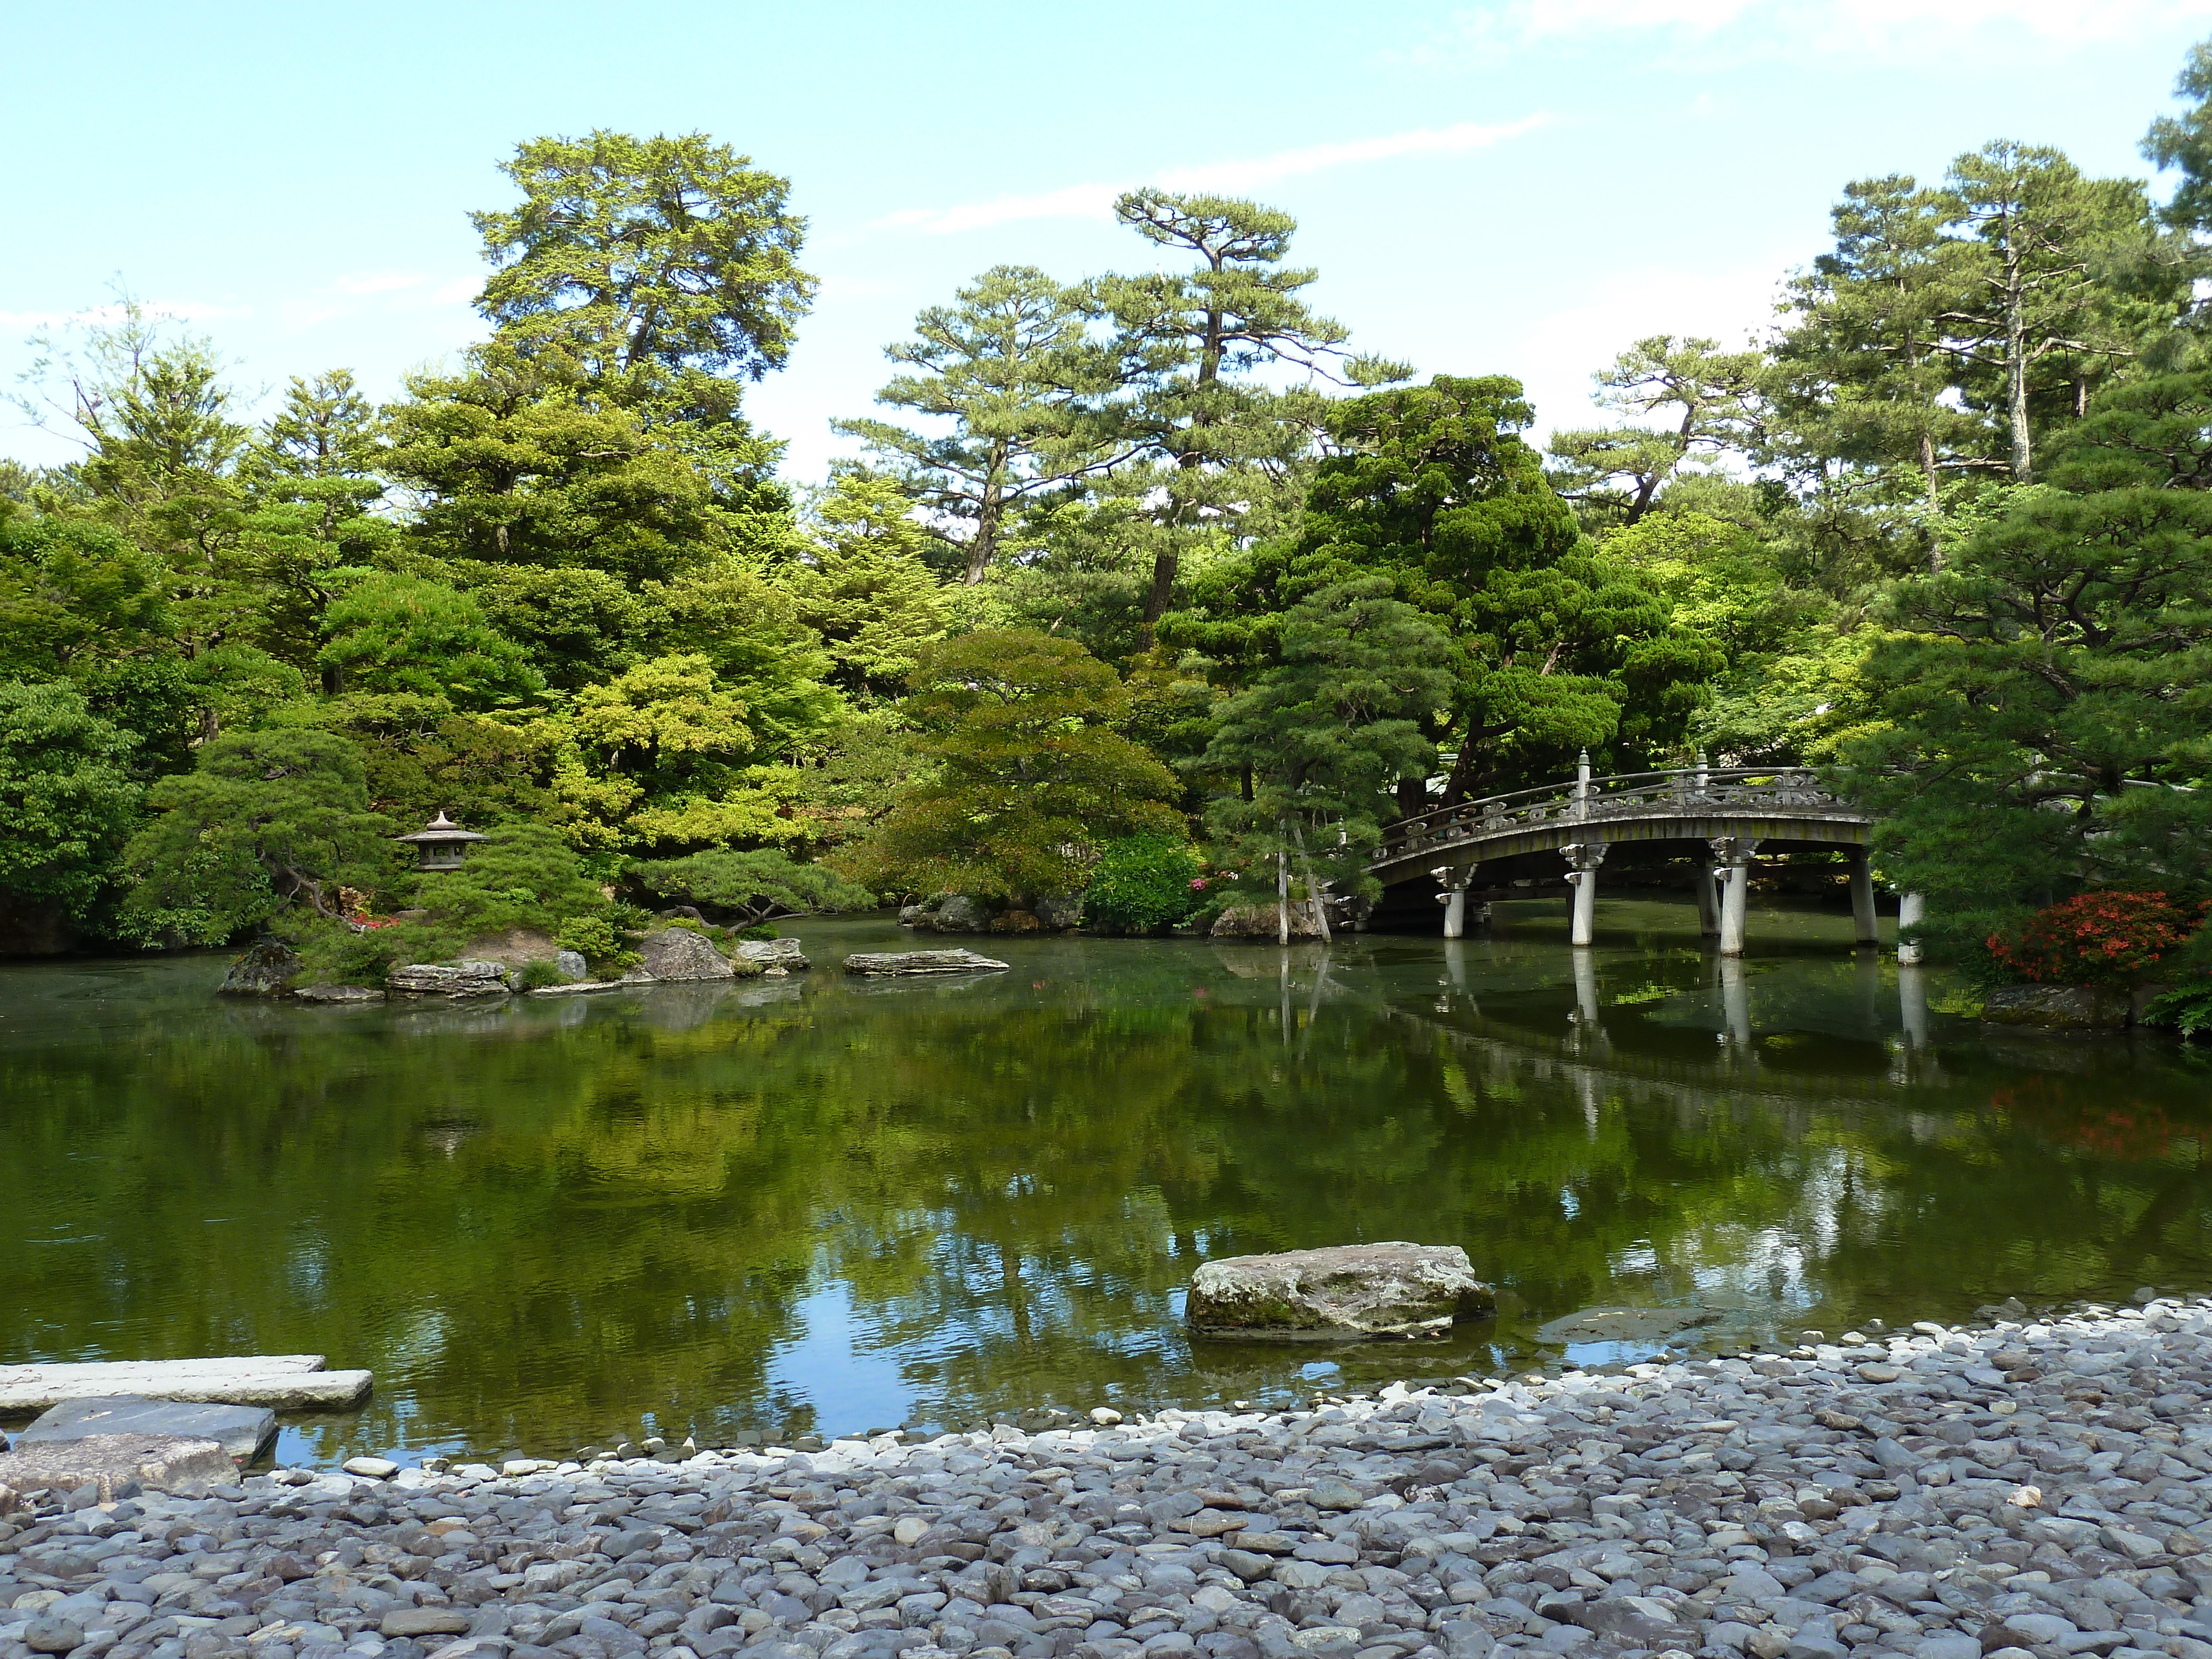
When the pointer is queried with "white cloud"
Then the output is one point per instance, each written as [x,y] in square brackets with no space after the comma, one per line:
[460,291]
[1095,200]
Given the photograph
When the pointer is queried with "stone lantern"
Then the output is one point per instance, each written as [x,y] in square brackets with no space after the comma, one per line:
[440,844]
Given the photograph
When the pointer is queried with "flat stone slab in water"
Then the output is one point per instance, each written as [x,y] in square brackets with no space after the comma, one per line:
[1342,1292]
[1625,1324]
[783,953]
[921,961]
[285,1382]
[240,1431]
[163,1462]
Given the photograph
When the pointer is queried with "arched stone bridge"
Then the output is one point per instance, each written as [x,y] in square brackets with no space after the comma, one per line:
[1729,813]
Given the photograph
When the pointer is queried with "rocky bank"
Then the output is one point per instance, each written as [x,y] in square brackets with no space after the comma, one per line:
[2038,1487]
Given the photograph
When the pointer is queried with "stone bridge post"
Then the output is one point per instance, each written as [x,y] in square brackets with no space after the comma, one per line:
[1701,885]
[1912,909]
[1733,854]
[1454,898]
[1583,877]
[1863,929]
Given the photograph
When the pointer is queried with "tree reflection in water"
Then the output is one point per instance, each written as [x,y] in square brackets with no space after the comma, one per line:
[545,1224]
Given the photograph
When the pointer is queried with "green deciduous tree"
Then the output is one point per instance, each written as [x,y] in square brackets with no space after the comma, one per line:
[73,591]
[388,632]
[67,796]
[1142,883]
[1030,778]
[666,268]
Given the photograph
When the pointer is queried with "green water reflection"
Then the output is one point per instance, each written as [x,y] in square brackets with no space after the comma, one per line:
[836,1205]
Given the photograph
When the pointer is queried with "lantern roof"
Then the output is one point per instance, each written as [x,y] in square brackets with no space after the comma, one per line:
[441,831]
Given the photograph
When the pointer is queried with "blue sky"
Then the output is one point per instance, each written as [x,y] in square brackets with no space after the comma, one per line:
[1520,186]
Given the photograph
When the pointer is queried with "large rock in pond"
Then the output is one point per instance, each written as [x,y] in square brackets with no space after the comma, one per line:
[1261,921]
[240,1431]
[921,961]
[164,1462]
[958,912]
[782,953]
[263,971]
[2065,1010]
[678,953]
[1058,912]
[1340,1293]
[454,979]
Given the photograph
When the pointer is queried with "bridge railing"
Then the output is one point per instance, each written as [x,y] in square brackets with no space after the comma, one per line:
[1687,790]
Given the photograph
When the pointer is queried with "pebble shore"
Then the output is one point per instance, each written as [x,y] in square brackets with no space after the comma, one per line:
[2037,1488]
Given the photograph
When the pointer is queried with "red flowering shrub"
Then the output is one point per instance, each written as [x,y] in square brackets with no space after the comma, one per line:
[2098,939]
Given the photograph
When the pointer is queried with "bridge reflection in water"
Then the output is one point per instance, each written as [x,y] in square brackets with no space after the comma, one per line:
[1726,814]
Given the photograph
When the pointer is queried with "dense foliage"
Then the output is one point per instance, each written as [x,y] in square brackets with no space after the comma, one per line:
[1142,882]
[1141,575]
[2095,939]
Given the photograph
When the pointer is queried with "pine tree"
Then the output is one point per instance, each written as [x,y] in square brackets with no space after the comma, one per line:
[2049,692]
[1009,363]
[1706,398]
[1323,736]
[1189,343]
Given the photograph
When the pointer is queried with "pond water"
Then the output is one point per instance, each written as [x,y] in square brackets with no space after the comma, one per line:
[826,1204]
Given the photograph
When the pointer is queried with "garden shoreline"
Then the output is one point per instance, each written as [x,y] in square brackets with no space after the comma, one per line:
[1944,1493]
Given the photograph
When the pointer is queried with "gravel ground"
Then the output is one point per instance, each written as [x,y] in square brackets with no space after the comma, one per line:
[1945,1494]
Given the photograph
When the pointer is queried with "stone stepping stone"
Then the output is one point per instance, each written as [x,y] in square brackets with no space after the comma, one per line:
[112,1462]
[287,1382]
[1338,1292]
[240,1431]
[1625,1324]
[921,961]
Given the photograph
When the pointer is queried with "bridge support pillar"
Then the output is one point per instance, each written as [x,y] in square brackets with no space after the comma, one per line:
[1912,909]
[1583,877]
[1912,1003]
[1863,923]
[1454,898]
[1735,1004]
[1709,909]
[1734,855]
[1456,912]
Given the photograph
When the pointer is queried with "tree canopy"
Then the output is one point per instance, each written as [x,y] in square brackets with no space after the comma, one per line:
[1146,571]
